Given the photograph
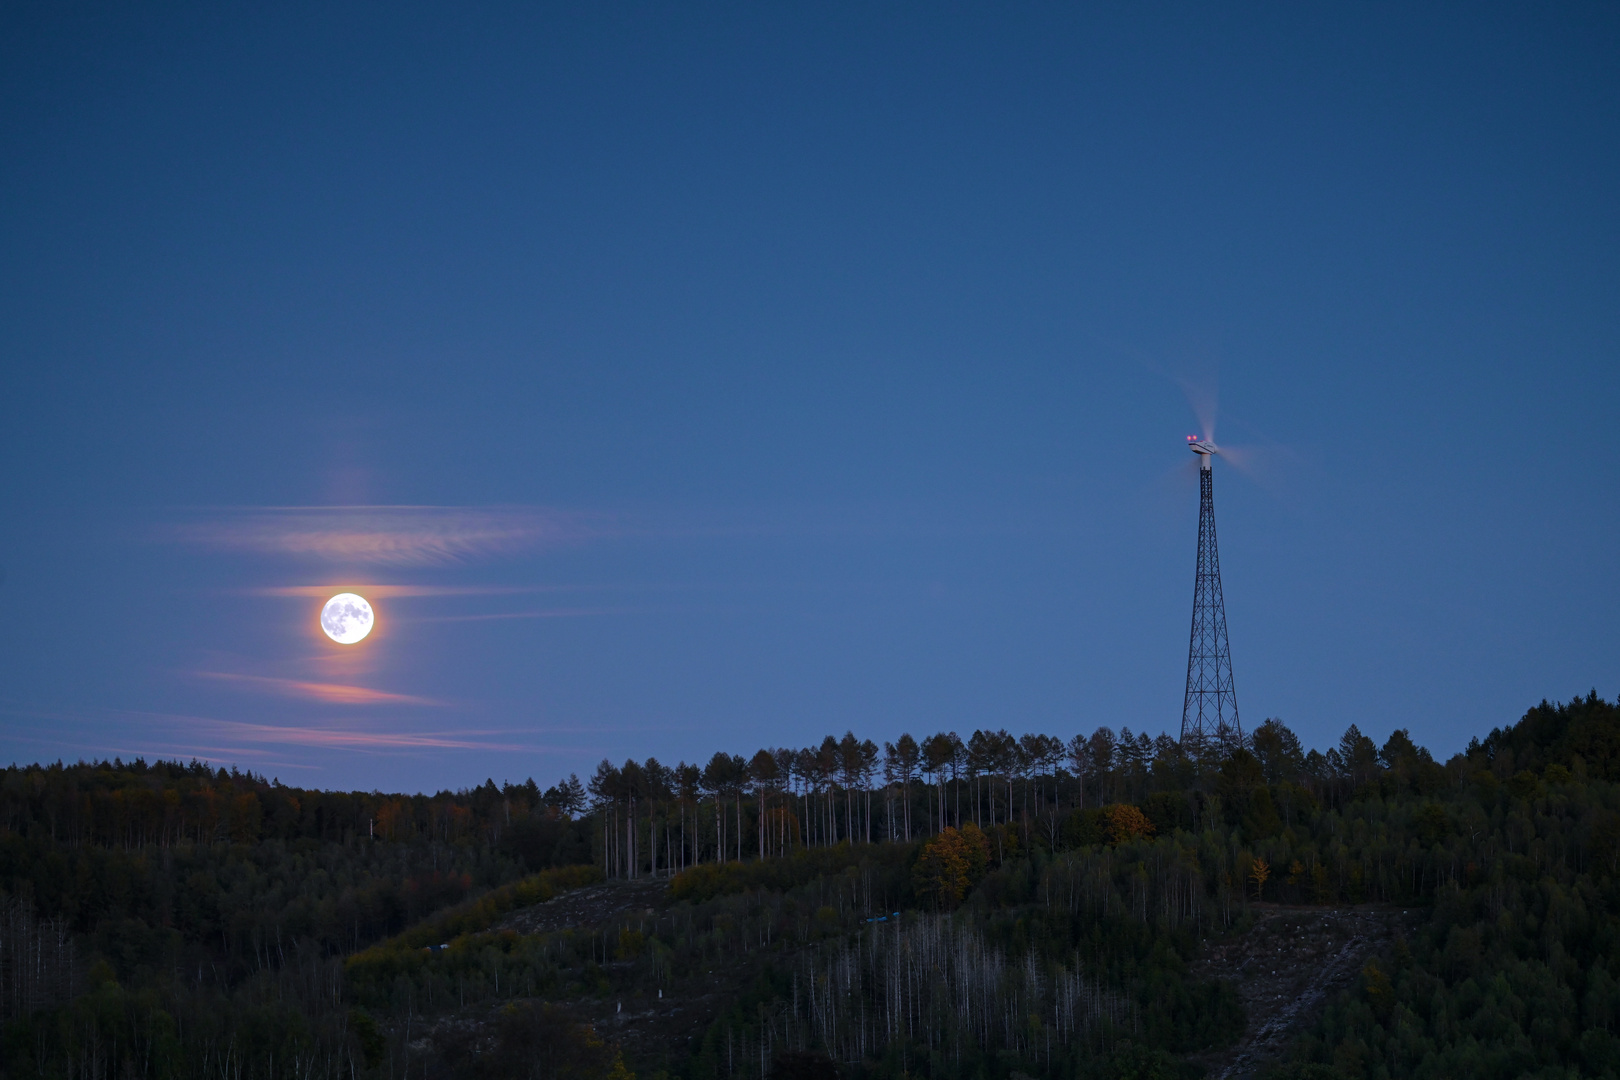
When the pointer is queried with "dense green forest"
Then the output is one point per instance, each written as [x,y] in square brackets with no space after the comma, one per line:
[992,907]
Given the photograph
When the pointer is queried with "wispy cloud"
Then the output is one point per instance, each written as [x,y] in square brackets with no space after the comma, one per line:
[159,749]
[184,735]
[383,591]
[351,739]
[553,613]
[388,535]
[331,693]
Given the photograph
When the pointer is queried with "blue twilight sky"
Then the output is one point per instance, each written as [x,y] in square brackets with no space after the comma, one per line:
[686,377]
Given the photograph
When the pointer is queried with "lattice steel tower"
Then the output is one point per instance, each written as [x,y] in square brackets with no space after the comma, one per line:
[1210,708]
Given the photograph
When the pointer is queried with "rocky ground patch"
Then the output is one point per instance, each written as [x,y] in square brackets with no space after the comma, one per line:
[647,1025]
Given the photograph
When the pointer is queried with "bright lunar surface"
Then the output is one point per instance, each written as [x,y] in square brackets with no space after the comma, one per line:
[346,618]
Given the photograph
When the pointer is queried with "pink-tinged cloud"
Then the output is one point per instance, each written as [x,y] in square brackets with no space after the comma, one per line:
[350,739]
[236,740]
[331,693]
[376,591]
[390,535]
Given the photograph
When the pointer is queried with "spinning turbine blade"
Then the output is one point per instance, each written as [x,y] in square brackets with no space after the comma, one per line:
[1205,404]
[1241,458]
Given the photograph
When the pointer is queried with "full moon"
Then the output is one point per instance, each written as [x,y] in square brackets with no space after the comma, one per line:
[346,618]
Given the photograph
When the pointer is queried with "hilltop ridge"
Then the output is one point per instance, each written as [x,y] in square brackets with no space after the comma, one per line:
[1108,906]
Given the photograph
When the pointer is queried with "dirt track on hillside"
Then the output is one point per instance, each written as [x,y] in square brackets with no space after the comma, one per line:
[590,907]
[648,1026]
[1285,967]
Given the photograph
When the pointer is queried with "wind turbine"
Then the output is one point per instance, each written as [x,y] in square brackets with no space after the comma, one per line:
[1210,708]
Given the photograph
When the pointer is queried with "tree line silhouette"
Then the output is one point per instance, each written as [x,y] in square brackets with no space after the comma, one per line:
[659,820]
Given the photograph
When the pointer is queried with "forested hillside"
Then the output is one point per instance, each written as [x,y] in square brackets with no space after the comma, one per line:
[982,907]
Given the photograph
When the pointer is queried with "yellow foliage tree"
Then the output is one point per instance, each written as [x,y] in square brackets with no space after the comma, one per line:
[1259,873]
[948,865]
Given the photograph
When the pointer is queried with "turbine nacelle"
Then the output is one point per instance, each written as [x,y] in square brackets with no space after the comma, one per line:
[1205,450]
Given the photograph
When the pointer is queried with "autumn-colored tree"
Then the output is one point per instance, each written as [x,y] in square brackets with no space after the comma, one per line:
[1126,823]
[941,870]
[1259,873]
[978,850]
[948,865]
[392,816]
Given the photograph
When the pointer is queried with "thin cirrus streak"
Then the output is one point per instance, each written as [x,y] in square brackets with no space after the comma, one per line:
[254,735]
[179,724]
[395,592]
[331,693]
[390,535]
[555,613]
[349,739]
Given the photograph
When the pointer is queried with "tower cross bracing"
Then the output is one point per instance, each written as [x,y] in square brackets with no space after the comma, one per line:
[1209,710]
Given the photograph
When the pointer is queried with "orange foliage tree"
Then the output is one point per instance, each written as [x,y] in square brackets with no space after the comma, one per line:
[949,864]
[1126,823]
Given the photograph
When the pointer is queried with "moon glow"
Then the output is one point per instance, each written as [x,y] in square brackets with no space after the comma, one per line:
[347,618]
